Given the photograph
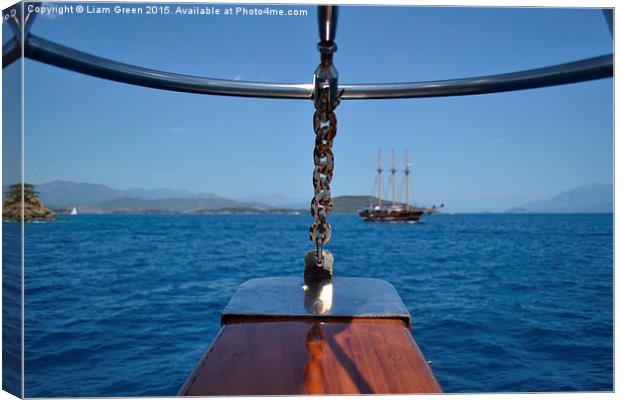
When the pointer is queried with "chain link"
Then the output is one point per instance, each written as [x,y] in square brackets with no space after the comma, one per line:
[325,125]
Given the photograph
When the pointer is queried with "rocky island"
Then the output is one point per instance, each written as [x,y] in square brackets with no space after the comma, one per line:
[34,209]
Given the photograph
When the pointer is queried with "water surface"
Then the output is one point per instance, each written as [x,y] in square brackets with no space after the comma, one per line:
[126,305]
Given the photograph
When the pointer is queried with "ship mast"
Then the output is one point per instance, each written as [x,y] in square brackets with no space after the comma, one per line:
[407,179]
[379,176]
[393,171]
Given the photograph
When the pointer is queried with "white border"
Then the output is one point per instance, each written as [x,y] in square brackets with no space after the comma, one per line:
[478,3]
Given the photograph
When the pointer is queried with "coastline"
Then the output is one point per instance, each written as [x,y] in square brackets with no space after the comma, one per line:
[302,212]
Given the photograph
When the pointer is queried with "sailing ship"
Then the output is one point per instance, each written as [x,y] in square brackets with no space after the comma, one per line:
[73,211]
[396,212]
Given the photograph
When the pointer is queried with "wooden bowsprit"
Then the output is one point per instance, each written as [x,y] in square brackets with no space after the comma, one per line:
[273,341]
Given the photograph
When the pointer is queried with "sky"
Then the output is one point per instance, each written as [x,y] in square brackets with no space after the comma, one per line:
[487,152]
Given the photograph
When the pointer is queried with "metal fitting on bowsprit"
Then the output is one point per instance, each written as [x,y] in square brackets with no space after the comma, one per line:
[322,270]
[326,78]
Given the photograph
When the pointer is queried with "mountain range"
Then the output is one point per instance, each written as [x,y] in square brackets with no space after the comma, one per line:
[593,198]
[97,198]
[92,197]
[66,194]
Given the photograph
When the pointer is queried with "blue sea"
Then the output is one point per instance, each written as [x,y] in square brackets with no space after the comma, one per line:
[126,305]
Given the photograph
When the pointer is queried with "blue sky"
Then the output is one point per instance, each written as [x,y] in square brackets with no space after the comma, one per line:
[472,153]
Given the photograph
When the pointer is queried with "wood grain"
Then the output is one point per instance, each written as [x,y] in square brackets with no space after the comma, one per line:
[288,357]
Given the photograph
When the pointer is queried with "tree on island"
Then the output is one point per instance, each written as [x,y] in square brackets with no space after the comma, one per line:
[15,192]
[34,209]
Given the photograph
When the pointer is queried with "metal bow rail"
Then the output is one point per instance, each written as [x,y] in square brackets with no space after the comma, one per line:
[40,49]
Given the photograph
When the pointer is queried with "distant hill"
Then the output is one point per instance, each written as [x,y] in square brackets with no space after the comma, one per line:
[175,205]
[594,198]
[279,200]
[64,194]
[350,204]
[96,198]
[154,194]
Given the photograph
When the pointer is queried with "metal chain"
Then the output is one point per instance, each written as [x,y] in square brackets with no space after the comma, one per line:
[324,122]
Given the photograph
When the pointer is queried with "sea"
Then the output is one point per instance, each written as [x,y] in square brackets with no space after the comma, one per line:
[125,305]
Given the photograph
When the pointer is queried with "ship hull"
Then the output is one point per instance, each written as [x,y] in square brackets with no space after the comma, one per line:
[391,215]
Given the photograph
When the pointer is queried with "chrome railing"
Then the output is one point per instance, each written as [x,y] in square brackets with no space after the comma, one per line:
[39,49]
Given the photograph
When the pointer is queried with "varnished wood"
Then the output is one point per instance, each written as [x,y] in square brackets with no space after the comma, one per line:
[288,357]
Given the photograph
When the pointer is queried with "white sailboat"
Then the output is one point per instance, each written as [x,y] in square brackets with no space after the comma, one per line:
[73,211]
